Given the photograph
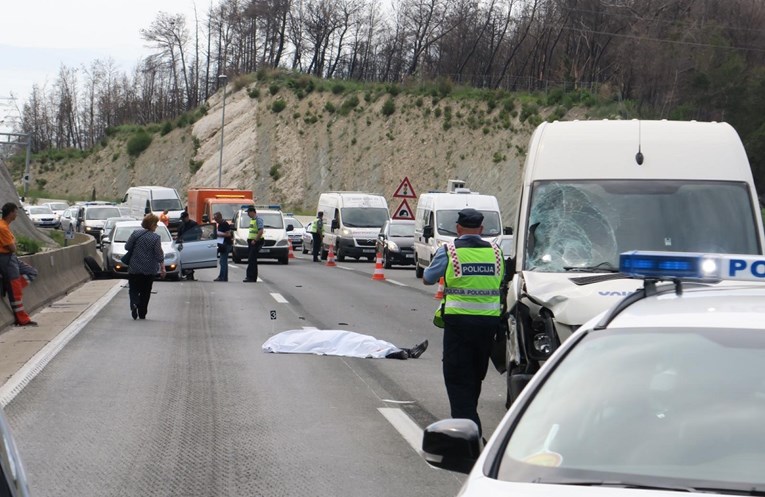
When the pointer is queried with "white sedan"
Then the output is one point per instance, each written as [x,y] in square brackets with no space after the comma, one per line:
[665,392]
[42,216]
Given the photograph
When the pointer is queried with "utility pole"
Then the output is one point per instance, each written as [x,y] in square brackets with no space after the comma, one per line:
[222,78]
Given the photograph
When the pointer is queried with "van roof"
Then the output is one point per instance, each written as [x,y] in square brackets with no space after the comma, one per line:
[607,150]
[449,200]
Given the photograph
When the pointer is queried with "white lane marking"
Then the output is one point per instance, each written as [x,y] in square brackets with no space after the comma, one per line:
[396,282]
[278,297]
[346,268]
[28,371]
[398,401]
[404,425]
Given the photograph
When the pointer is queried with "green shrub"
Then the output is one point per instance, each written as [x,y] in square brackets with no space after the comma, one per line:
[254,93]
[273,88]
[498,157]
[528,110]
[196,143]
[349,104]
[194,165]
[338,88]
[388,108]
[418,102]
[393,89]
[330,107]
[137,143]
[27,245]
[274,172]
[166,128]
[278,106]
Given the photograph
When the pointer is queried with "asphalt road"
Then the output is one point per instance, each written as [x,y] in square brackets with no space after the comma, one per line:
[186,403]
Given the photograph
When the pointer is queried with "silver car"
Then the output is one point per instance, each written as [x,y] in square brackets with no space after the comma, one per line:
[42,216]
[113,248]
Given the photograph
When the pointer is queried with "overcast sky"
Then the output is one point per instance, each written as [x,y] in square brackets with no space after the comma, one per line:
[38,36]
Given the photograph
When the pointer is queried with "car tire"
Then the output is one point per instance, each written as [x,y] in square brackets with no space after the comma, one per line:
[340,255]
[235,258]
[324,254]
[305,249]
[386,260]
[418,270]
[284,260]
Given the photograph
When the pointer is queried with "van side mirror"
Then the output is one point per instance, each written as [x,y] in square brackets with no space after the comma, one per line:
[290,227]
[334,225]
[507,230]
[205,218]
[427,232]
[147,211]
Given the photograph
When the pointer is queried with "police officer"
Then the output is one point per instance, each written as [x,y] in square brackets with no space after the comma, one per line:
[470,311]
[254,242]
[317,233]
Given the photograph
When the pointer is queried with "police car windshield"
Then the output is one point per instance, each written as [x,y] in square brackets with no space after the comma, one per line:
[446,222]
[675,406]
[171,204]
[584,223]
[364,217]
[97,213]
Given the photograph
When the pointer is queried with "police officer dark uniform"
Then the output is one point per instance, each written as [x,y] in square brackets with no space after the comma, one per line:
[473,269]
[255,241]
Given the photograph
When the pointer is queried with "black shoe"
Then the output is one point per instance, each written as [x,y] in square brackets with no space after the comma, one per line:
[219,279]
[247,280]
[28,323]
[418,349]
[134,311]
[401,354]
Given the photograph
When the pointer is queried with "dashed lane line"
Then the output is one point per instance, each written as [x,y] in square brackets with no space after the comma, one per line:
[396,282]
[279,298]
[404,425]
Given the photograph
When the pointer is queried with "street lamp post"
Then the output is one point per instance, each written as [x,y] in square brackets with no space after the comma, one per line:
[222,78]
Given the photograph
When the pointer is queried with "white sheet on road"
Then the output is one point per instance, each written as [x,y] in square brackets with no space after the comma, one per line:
[329,342]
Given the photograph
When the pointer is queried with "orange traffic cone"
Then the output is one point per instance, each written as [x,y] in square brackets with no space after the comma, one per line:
[379,275]
[291,254]
[331,256]
[440,293]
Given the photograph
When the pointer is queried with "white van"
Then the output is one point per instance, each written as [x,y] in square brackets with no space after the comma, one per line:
[354,220]
[594,189]
[435,221]
[142,200]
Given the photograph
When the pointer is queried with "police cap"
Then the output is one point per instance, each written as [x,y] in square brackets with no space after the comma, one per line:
[470,218]
[251,209]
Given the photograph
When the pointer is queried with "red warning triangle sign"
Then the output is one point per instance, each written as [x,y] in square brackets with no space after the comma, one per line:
[405,190]
[403,211]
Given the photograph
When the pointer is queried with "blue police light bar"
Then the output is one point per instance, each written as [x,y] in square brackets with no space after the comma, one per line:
[697,266]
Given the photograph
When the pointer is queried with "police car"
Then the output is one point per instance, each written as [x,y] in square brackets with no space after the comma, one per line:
[664,392]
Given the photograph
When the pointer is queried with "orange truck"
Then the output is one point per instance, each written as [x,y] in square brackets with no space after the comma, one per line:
[204,202]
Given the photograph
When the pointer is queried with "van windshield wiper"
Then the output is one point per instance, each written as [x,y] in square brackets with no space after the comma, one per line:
[615,483]
[603,267]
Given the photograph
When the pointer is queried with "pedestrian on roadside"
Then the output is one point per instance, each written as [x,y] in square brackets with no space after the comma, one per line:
[16,274]
[164,218]
[317,233]
[472,269]
[147,260]
[255,241]
[225,244]
[187,224]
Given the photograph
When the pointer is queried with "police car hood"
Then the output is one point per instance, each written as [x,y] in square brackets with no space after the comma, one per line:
[575,298]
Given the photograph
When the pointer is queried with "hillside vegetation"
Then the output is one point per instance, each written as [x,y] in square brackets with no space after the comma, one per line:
[289,137]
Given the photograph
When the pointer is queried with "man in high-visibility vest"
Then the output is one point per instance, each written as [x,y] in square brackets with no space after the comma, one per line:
[317,233]
[473,269]
[255,241]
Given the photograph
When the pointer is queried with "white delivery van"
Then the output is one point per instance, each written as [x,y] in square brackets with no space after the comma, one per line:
[594,189]
[435,221]
[352,221]
[142,200]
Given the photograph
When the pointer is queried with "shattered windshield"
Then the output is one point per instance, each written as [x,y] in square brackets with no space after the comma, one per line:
[587,224]
[446,222]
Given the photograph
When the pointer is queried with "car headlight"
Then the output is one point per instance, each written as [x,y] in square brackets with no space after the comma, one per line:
[88,228]
[282,243]
[345,232]
[170,256]
[240,241]
[392,246]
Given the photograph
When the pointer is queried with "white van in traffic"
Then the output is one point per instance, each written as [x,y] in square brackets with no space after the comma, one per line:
[435,221]
[354,220]
[142,200]
[277,242]
[595,189]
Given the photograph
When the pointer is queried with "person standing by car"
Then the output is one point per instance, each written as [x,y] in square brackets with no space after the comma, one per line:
[146,261]
[317,233]
[186,224]
[224,248]
[15,273]
[470,311]
[254,242]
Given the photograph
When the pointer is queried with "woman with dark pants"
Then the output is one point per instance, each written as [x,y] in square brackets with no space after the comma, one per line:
[146,261]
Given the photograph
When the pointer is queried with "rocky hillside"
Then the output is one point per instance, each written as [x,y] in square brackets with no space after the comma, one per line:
[289,149]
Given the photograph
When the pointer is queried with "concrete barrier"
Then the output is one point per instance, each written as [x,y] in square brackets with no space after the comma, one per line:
[60,271]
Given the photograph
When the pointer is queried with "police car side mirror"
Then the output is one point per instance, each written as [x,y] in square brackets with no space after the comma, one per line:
[290,227]
[510,268]
[334,225]
[507,230]
[427,232]
[452,444]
